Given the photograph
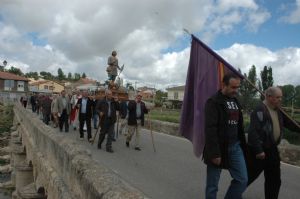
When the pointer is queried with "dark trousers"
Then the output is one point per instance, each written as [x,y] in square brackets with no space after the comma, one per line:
[108,128]
[33,107]
[84,118]
[63,120]
[271,167]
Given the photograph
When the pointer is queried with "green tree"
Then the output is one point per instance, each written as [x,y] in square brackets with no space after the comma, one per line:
[60,75]
[15,70]
[160,96]
[34,75]
[248,94]
[288,92]
[77,76]
[83,75]
[129,86]
[47,75]
[69,76]
[266,77]
[297,97]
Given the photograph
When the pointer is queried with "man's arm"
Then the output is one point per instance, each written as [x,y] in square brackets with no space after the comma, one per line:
[289,124]
[254,132]
[212,145]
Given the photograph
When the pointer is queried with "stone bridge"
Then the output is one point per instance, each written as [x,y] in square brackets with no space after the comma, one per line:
[46,164]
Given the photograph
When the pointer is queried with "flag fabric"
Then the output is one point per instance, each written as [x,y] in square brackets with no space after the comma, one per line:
[204,78]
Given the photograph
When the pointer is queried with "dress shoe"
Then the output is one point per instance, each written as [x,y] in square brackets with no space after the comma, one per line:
[137,148]
[109,150]
[99,146]
[127,144]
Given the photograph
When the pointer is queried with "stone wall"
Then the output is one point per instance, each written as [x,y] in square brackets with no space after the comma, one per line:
[65,169]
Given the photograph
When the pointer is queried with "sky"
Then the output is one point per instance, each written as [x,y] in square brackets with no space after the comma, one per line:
[79,35]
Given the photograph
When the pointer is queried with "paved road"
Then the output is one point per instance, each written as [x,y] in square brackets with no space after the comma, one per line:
[173,172]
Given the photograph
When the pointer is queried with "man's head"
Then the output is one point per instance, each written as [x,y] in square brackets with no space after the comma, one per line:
[85,93]
[114,53]
[273,96]
[138,97]
[108,94]
[231,84]
[63,93]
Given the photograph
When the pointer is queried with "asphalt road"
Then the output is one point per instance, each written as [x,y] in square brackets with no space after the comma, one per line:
[173,172]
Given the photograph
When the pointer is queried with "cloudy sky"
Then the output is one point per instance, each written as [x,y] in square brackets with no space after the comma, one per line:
[79,35]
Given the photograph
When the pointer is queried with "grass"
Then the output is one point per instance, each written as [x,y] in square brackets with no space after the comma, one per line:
[167,115]
[6,118]
[170,115]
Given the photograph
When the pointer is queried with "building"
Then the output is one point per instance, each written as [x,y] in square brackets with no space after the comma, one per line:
[175,96]
[46,86]
[147,93]
[12,86]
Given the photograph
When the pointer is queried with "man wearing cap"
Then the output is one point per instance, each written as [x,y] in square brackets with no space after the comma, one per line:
[136,111]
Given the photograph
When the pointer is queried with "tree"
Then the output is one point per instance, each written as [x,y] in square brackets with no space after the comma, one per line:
[297,97]
[34,75]
[60,75]
[15,70]
[160,96]
[47,75]
[69,76]
[288,92]
[129,86]
[266,77]
[77,76]
[83,75]
[248,94]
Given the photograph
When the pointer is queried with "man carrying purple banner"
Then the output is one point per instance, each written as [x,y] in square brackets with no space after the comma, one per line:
[224,140]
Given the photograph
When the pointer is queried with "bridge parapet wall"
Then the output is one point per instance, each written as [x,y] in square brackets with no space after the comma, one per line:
[62,167]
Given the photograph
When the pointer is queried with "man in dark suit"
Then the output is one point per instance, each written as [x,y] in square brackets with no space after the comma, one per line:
[107,110]
[136,119]
[85,106]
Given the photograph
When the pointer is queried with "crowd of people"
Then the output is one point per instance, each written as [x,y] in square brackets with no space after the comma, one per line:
[82,111]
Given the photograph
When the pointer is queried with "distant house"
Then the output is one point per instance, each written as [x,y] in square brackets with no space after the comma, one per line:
[176,93]
[175,96]
[46,86]
[12,86]
[147,93]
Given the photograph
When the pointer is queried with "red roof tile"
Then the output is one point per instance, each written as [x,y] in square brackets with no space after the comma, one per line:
[11,76]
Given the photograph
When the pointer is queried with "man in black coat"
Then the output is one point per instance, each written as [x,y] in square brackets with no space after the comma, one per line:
[224,140]
[107,111]
[85,106]
[136,119]
[265,133]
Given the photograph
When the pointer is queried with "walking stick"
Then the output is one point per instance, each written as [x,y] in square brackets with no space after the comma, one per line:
[150,126]
[93,140]
[118,125]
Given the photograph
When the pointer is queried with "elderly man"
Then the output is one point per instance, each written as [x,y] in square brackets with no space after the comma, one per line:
[265,133]
[136,119]
[85,106]
[107,111]
[64,109]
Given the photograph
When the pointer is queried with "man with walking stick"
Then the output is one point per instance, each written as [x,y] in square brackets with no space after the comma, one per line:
[107,111]
[136,119]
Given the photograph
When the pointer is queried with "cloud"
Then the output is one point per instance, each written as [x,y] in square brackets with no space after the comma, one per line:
[294,16]
[284,62]
[79,36]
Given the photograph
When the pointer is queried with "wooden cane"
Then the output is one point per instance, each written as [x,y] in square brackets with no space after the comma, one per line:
[93,140]
[150,126]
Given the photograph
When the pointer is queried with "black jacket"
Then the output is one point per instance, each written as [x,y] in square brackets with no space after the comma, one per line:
[260,133]
[132,113]
[102,106]
[89,107]
[216,140]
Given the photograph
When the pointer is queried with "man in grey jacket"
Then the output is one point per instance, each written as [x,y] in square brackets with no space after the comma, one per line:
[64,109]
